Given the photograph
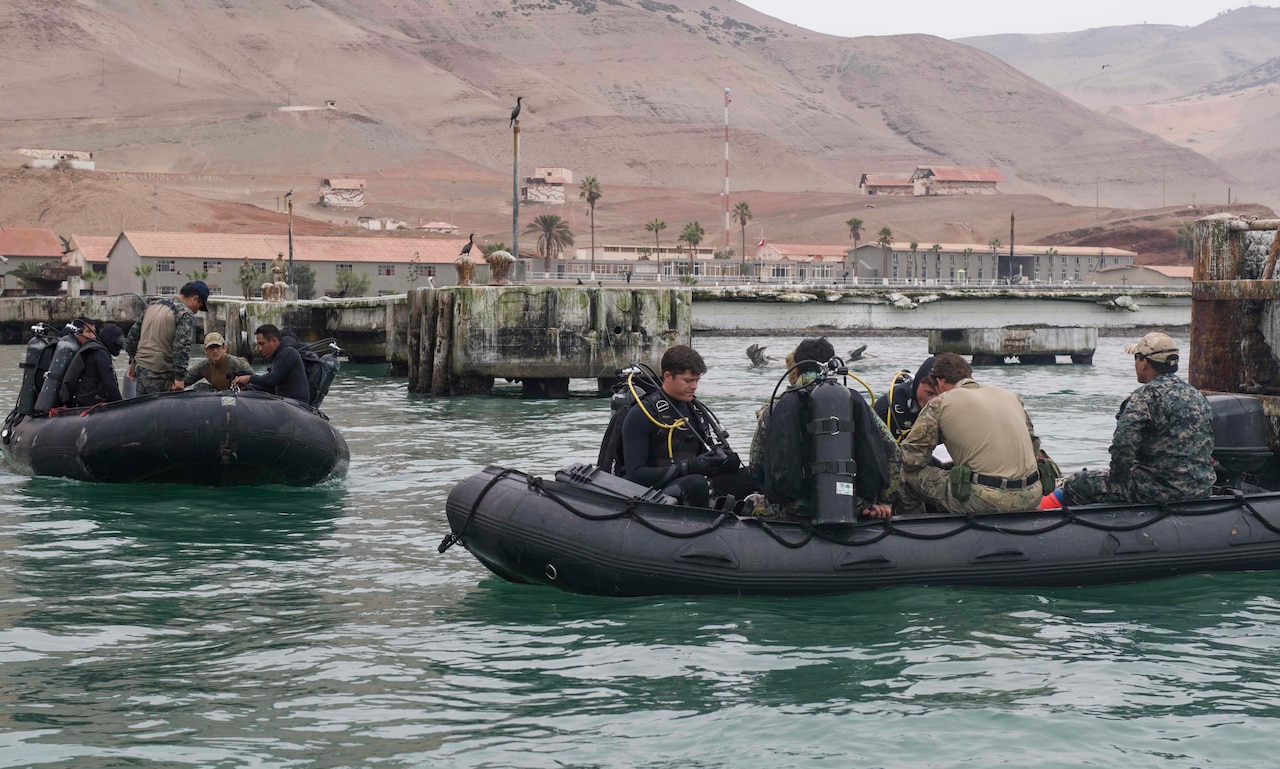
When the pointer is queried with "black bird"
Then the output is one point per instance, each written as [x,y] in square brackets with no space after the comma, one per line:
[855,354]
[467,248]
[515,113]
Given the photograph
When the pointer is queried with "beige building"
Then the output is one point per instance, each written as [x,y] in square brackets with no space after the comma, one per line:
[35,253]
[887,184]
[342,193]
[955,180]
[977,263]
[393,264]
[1170,276]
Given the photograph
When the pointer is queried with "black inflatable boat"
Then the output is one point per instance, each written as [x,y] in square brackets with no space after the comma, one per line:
[202,437]
[198,437]
[589,532]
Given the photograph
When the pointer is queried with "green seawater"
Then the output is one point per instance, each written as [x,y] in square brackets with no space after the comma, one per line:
[151,626]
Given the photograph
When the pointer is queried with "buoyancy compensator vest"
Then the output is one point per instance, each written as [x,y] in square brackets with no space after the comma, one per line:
[62,354]
[76,387]
[320,370]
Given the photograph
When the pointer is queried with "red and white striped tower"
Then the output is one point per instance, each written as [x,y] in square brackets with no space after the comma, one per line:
[726,168]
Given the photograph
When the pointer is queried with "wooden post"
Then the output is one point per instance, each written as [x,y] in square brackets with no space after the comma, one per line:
[441,373]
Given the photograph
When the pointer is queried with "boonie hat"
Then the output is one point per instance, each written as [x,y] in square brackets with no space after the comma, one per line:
[1156,346]
[214,338]
[196,288]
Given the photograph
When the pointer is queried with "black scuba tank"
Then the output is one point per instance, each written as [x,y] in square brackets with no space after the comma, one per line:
[39,355]
[833,472]
[62,355]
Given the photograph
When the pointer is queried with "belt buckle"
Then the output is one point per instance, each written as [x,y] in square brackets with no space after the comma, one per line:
[1004,484]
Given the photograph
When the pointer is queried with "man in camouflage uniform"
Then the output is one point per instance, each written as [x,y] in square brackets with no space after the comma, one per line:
[159,343]
[1163,438]
[986,430]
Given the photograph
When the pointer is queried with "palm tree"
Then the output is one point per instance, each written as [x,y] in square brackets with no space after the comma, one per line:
[554,236]
[589,190]
[692,235]
[995,244]
[656,226]
[1187,240]
[914,246]
[742,215]
[855,230]
[92,276]
[143,271]
[197,275]
[936,248]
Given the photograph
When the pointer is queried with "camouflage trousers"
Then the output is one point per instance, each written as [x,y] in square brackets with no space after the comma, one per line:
[932,486]
[1088,487]
[152,381]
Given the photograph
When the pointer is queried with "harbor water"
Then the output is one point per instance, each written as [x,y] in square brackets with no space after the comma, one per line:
[148,626]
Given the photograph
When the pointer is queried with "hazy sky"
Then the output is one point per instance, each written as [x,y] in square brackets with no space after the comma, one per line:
[958,18]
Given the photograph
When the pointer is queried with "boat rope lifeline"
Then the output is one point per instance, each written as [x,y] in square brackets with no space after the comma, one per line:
[452,539]
[627,512]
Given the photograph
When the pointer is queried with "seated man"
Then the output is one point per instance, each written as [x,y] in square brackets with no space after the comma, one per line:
[783,450]
[287,376]
[217,368]
[900,407]
[90,378]
[1161,448]
[668,440]
[990,438]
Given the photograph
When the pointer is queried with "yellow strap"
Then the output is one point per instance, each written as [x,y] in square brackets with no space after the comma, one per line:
[670,428]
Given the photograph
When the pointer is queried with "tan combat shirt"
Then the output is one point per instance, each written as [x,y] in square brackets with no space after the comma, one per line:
[982,426]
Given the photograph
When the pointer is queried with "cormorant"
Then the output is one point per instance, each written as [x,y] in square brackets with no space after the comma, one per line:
[515,113]
[467,248]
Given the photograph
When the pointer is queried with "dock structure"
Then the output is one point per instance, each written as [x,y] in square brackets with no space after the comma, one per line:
[460,339]
[1035,345]
[1235,312]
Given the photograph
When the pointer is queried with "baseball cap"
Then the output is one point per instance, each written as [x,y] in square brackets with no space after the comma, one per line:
[1156,346]
[196,288]
[214,338]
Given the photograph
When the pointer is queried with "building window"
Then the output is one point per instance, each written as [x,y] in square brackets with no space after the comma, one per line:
[212,266]
[431,271]
[260,266]
[385,292]
[215,290]
[167,290]
[166,265]
[386,270]
[342,267]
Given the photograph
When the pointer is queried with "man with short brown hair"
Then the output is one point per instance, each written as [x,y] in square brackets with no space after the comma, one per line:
[990,439]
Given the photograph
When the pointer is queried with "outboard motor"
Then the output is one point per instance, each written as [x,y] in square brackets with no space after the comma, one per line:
[1239,438]
[39,355]
[834,471]
[63,352]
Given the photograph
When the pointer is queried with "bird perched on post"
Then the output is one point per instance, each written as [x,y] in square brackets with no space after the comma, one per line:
[467,248]
[515,113]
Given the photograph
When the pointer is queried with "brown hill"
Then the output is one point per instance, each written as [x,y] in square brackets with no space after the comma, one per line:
[1211,88]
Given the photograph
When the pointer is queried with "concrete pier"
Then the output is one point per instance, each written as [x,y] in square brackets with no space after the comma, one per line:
[19,314]
[1038,345]
[459,339]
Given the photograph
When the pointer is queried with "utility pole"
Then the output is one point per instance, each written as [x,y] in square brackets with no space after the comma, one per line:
[726,170]
[515,188]
[1011,245]
[289,278]
[1162,180]
[1097,194]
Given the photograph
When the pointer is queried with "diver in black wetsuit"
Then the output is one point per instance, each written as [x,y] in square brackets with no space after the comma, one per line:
[902,405]
[668,440]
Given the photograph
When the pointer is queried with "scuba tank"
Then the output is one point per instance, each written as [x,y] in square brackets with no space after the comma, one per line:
[39,355]
[829,430]
[320,378]
[63,352]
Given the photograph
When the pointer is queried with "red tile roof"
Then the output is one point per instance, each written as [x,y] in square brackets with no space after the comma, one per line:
[822,253]
[30,241]
[94,248]
[193,245]
[959,174]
